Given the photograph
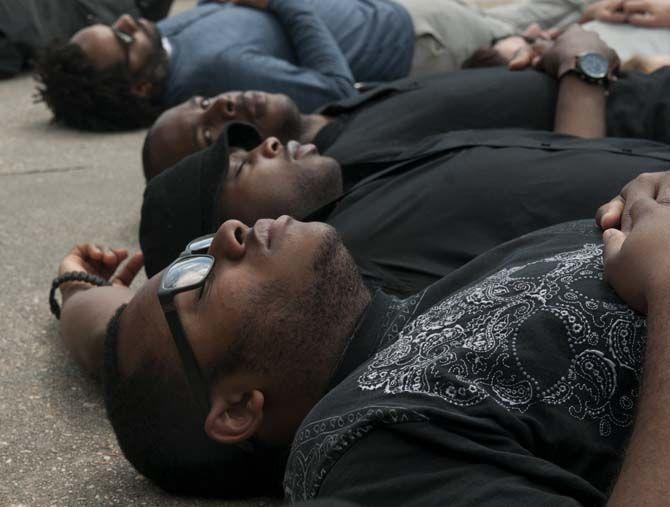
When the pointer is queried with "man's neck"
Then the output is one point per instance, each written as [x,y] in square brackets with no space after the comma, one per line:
[311,125]
[280,425]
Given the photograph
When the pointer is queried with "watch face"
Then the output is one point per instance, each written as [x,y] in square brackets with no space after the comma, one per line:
[594,65]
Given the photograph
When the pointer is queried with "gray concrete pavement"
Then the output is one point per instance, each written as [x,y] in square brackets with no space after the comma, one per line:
[58,187]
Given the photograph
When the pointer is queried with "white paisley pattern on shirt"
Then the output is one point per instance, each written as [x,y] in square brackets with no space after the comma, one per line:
[464,349]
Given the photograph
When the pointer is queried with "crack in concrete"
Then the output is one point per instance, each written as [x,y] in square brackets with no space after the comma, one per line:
[45,171]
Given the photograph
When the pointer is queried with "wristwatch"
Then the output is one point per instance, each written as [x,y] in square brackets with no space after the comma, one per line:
[592,68]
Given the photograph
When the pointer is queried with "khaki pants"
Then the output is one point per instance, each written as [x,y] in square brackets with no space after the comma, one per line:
[547,13]
[629,40]
[447,32]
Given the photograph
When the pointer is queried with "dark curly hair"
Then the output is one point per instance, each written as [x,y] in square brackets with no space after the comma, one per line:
[84,97]
[484,57]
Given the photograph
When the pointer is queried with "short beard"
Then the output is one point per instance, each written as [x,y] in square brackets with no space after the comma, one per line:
[291,127]
[156,69]
[298,341]
[316,189]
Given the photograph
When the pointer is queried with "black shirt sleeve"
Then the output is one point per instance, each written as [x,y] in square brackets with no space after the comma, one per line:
[393,466]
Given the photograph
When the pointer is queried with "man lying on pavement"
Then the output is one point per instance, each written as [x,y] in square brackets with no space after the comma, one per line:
[516,379]
[444,201]
[380,124]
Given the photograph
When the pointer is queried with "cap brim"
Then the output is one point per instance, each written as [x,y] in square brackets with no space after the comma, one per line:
[179,203]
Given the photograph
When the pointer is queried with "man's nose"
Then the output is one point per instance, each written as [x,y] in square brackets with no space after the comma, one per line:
[222,107]
[230,241]
[271,147]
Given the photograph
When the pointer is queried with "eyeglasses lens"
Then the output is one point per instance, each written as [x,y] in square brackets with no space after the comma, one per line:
[125,38]
[190,271]
[200,245]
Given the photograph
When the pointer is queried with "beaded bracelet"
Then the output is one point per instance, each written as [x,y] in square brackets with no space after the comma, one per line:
[72,276]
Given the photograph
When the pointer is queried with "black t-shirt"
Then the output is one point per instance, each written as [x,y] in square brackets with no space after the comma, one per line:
[381,124]
[511,382]
[460,194]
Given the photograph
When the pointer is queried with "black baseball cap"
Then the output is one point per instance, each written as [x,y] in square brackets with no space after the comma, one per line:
[179,203]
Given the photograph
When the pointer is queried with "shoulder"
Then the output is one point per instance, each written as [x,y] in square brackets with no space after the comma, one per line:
[322,441]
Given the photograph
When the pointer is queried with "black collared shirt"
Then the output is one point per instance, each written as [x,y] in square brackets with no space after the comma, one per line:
[457,195]
[381,124]
[513,381]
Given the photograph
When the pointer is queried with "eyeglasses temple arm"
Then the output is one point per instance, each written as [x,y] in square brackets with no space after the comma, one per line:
[193,372]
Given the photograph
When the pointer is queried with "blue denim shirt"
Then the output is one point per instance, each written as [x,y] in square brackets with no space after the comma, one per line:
[311,50]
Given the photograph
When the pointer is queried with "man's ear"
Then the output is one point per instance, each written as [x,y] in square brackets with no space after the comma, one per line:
[142,88]
[234,418]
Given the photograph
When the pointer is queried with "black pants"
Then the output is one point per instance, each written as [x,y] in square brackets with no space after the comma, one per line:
[11,58]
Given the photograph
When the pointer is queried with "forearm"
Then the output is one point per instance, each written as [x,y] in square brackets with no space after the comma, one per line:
[313,43]
[587,15]
[580,110]
[646,468]
[84,317]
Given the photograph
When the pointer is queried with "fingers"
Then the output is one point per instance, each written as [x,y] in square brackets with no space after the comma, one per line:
[609,215]
[637,210]
[94,252]
[541,46]
[521,60]
[108,257]
[647,187]
[647,20]
[120,253]
[554,32]
[643,187]
[528,56]
[129,271]
[613,240]
[663,190]
[612,16]
[636,6]
[533,30]
[541,49]
[616,61]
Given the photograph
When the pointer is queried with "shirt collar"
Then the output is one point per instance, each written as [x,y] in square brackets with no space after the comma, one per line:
[365,340]
[167,45]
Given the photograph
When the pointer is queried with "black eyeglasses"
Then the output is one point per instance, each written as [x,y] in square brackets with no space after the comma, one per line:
[188,272]
[125,41]
[198,245]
